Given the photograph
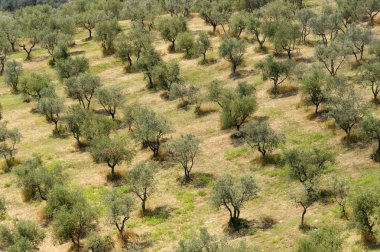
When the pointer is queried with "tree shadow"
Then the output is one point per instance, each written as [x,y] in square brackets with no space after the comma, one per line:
[249,227]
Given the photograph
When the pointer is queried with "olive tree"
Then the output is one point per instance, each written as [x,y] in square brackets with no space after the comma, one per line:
[304,198]
[36,178]
[25,235]
[304,17]
[332,56]
[259,135]
[112,151]
[9,30]
[165,75]
[275,70]
[120,207]
[325,238]
[184,150]
[237,24]
[32,20]
[214,13]
[286,37]
[149,60]
[150,128]
[12,73]
[233,193]
[203,44]
[375,49]
[99,243]
[365,205]
[82,88]
[106,32]
[207,242]
[369,76]
[75,119]
[111,99]
[170,28]
[357,38]
[237,105]
[186,42]
[345,106]
[313,87]
[307,165]
[36,86]
[256,26]
[73,223]
[371,8]
[9,138]
[232,50]
[143,182]
[4,50]
[52,107]
[89,19]
[341,189]
[71,67]
[371,129]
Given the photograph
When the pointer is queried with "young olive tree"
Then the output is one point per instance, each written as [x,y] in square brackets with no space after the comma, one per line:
[170,28]
[147,63]
[356,39]
[186,42]
[259,135]
[203,45]
[71,67]
[341,189]
[25,235]
[9,138]
[120,207]
[36,86]
[99,243]
[75,119]
[184,150]
[232,194]
[307,165]
[325,238]
[112,151]
[106,32]
[286,37]
[10,30]
[111,99]
[52,108]
[371,129]
[82,88]
[256,26]
[12,73]
[313,87]
[369,76]
[233,50]
[143,182]
[304,16]
[275,70]
[150,128]
[237,105]
[332,56]
[365,205]
[237,24]
[73,223]
[36,179]
[165,75]
[345,106]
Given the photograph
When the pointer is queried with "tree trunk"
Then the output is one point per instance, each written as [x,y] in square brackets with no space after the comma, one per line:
[89,34]
[13,46]
[316,108]
[303,217]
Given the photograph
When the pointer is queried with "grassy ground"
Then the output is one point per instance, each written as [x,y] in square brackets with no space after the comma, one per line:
[182,210]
